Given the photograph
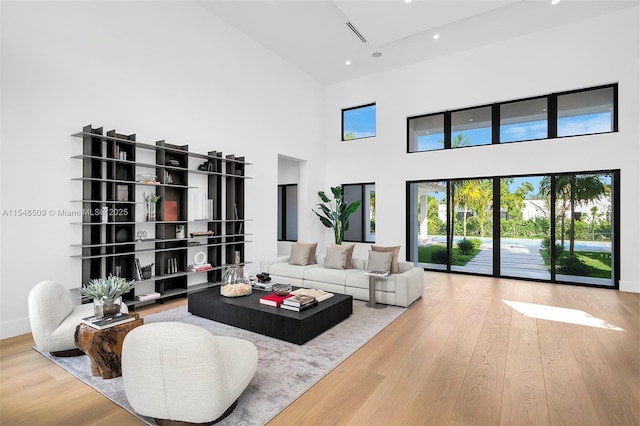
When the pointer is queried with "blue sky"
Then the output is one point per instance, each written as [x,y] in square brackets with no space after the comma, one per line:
[530,130]
[360,121]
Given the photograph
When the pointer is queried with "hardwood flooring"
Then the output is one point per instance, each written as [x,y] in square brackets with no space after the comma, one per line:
[472,351]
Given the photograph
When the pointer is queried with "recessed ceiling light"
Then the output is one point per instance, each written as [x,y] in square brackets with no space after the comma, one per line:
[347,62]
[555,1]
[436,36]
[376,54]
[408,1]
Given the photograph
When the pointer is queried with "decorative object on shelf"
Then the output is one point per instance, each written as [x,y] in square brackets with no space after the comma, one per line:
[146,271]
[122,235]
[145,178]
[336,216]
[150,202]
[209,209]
[201,233]
[236,280]
[107,294]
[179,231]
[122,193]
[172,265]
[141,235]
[170,213]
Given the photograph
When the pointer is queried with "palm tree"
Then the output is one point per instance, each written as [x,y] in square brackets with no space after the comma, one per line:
[574,190]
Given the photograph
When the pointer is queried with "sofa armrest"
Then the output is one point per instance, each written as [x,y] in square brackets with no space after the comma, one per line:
[409,285]
[265,264]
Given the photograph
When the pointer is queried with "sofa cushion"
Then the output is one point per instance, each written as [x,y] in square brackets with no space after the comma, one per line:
[380,261]
[336,258]
[331,276]
[312,251]
[349,249]
[394,261]
[283,269]
[299,255]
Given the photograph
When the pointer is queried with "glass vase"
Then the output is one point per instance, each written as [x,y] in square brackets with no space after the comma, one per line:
[151,212]
[235,281]
[106,308]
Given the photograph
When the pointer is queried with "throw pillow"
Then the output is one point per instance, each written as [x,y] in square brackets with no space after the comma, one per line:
[380,261]
[349,249]
[394,261]
[299,255]
[336,258]
[312,252]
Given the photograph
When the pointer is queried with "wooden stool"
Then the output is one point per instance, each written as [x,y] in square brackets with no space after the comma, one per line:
[104,347]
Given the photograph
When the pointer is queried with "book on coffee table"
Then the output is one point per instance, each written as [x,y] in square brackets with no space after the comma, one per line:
[318,294]
[299,308]
[107,322]
[273,299]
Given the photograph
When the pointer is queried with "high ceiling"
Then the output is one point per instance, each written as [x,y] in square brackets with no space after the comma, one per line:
[314,35]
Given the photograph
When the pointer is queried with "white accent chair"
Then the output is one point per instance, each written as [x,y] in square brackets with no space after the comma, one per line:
[180,373]
[54,315]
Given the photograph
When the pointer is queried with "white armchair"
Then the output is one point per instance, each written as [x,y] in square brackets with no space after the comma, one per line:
[54,316]
[177,372]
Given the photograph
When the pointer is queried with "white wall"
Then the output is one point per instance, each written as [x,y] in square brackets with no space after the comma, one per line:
[162,70]
[588,53]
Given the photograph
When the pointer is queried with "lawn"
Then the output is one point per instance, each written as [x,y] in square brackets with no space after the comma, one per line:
[436,253]
[598,264]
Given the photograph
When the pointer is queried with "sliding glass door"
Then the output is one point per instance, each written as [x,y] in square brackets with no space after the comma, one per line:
[557,227]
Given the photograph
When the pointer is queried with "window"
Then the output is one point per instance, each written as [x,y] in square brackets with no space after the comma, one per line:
[586,112]
[362,223]
[580,112]
[524,120]
[554,227]
[288,212]
[359,122]
[426,133]
[471,127]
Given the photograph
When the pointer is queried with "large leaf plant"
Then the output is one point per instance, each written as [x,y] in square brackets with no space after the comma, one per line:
[336,214]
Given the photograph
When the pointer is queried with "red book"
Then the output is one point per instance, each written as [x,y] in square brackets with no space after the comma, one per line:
[274,300]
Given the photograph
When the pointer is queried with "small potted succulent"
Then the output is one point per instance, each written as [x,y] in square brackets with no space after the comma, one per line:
[146,271]
[107,293]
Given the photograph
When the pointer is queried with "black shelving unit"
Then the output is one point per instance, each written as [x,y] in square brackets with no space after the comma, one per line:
[109,209]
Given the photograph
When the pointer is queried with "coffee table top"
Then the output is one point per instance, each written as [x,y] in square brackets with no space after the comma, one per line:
[247,312]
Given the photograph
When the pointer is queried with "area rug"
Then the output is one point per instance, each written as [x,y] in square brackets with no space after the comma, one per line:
[285,370]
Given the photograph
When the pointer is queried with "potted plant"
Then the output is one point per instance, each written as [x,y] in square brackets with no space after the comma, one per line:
[146,271]
[336,215]
[107,293]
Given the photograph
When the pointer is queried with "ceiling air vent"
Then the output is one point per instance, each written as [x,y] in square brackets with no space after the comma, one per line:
[356,32]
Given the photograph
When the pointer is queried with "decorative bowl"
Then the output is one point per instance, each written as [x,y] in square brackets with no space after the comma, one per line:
[281,289]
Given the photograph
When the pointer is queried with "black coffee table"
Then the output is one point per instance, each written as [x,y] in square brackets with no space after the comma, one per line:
[248,313]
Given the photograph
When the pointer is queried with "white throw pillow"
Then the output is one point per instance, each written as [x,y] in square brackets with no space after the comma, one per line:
[380,261]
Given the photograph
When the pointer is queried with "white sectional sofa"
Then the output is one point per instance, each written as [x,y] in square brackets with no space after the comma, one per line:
[400,289]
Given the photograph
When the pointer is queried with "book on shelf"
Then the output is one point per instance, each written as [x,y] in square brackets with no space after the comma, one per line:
[107,322]
[138,269]
[199,268]
[299,300]
[320,295]
[273,299]
[148,296]
[299,308]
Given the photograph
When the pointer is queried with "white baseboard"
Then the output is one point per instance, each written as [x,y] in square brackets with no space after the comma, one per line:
[15,328]
[630,286]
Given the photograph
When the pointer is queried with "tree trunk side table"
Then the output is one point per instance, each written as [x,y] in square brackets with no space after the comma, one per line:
[104,347]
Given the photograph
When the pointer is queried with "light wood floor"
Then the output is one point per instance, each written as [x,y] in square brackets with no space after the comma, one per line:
[459,355]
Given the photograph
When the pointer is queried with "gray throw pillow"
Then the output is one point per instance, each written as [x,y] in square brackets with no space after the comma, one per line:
[299,255]
[336,258]
[380,261]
